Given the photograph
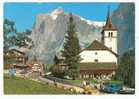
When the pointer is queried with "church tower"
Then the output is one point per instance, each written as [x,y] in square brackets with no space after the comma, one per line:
[109,34]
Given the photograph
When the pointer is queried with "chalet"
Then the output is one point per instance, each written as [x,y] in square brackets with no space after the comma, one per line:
[36,68]
[59,61]
[18,56]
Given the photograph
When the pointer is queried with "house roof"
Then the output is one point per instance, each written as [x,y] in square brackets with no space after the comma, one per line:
[97,66]
[17,51]
[97,72]
[96,45]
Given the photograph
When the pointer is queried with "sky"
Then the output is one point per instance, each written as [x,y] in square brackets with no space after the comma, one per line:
[24,14]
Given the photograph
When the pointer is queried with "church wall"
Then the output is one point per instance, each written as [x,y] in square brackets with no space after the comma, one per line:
[111,40]
[100,55]
[111,43]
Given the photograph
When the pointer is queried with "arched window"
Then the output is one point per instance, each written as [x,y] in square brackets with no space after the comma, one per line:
[111,34]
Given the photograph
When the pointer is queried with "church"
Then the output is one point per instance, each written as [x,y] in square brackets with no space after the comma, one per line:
[100,58]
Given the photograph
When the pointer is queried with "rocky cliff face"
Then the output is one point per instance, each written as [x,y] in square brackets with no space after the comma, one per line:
[124,19]
[50,29]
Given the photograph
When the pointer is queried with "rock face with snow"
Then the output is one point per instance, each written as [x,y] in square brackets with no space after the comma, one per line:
[50,29]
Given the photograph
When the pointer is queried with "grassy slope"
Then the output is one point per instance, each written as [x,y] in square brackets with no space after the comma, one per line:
[21,86]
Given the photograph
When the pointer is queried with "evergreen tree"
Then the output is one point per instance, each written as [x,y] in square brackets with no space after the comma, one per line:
[126,69]
[55,60]
[9,33]
[12,38]
[22,39]
[71,50]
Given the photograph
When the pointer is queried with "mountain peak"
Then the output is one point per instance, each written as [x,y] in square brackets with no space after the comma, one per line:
[56,12]
[52,27]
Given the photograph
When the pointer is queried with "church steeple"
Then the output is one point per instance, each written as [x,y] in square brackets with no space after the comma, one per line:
[109,34]
[109,24]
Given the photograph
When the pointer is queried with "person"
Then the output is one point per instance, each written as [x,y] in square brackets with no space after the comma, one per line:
[55,83]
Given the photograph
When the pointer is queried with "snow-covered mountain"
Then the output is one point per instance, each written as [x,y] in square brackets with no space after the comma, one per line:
[50,28]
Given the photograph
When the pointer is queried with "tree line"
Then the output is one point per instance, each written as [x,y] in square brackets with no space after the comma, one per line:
[13,38]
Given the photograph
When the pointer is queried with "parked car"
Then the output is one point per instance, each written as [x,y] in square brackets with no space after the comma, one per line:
[111,87]
[67,77]
[127,91]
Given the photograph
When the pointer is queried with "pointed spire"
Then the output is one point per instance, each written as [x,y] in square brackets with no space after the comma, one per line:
[109,24]
[109,10]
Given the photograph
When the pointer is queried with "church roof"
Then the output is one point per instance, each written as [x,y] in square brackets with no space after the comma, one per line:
[109,24]
[98,66]
[96,45]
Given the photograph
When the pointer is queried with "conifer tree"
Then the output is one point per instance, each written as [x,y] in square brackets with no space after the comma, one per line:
[71,50]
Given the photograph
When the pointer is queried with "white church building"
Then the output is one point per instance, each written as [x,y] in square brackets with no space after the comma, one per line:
[100,58]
